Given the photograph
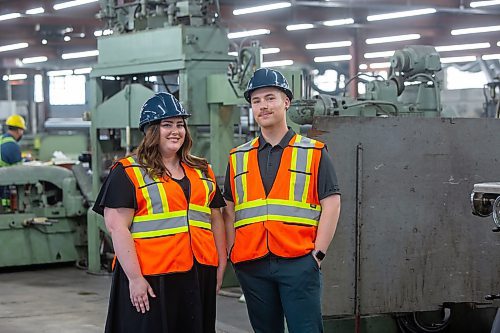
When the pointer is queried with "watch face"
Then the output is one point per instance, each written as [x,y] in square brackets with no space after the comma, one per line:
[320,255]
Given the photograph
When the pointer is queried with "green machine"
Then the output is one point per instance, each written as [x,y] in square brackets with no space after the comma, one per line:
[411,89]
[173,46]
[44,219]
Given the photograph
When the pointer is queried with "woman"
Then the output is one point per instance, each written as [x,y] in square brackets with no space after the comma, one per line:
[161,207]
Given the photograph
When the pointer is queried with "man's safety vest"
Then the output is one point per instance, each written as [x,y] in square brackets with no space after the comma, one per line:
[5,139]
[285,221]
[167,229]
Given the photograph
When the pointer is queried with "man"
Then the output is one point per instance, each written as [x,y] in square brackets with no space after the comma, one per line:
[10,152]
[283,206]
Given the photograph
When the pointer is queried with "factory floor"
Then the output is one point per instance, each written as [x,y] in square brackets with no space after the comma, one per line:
[68,300]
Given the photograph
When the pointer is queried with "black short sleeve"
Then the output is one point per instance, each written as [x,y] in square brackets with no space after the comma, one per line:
[228,194]
[218,199]
[327,178]
[117,191]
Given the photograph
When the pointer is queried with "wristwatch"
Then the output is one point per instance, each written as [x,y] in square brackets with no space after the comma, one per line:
[318,254]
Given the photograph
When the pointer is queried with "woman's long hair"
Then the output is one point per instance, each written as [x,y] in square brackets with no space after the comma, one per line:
[148,153]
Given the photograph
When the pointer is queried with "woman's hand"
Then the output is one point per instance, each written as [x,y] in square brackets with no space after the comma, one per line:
[139,290]
[220,272]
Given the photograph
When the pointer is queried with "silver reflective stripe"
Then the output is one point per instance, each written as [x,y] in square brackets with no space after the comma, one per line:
[304,142]
[159,224]
[247,213]
[273,209]
[240,168]
[198,216]
[154,193]
[210,185]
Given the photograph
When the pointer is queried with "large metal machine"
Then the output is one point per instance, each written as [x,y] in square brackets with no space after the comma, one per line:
[43,220]
[406,243]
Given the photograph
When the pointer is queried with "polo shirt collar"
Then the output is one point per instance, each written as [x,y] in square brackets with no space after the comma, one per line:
[283,143]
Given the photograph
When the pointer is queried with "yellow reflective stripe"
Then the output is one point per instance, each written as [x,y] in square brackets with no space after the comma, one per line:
[235,194]
[293,219]
[144,190]
[200,224]
[203,209]
[145,218]
[252,204]
[157,233]
[250,220]
[244,176]
[293,176]
[308,176]
[205,185]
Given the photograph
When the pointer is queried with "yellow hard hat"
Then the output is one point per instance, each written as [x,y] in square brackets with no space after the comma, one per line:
[16,121]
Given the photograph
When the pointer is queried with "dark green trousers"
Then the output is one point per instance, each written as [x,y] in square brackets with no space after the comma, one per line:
[276,287]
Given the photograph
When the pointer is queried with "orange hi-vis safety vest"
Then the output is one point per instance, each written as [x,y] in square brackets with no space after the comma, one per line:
[285,221]
[167,229]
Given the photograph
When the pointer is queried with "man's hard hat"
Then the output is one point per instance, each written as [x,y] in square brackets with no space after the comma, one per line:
[16,121]
[266,77]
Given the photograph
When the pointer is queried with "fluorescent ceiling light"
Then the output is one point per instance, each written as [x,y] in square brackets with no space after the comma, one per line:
[339,22]
[451,60]
[363,66]
[84,54]
[498,43]
[11,47]
[99,33]
[301,26]
[383,54]
[270,50]
[277,63]
[491,56]
[329,45]
[397,15]
[248,33]
[343,57]
[264,8]
[459,47]
[9,16]
[33,60]
[377,65]
[34,11]
[475,30]
[475,4]
[74,3]
[79,71]
[60,73]
[389,39]
[234,53]
[14,77]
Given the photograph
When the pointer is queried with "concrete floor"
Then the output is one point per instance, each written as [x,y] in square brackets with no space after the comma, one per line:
[68,300]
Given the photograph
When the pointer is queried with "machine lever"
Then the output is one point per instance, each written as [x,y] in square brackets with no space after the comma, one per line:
[492,297]
[38,221]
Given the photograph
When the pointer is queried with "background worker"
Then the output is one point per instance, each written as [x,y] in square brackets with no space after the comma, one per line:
[162,209]
[10,152]
[283,206]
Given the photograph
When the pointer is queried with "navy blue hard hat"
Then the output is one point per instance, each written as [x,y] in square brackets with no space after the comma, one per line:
[161,106]
[266,77]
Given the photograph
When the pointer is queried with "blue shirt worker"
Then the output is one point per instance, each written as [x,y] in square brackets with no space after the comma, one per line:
[283,205]
[10,152]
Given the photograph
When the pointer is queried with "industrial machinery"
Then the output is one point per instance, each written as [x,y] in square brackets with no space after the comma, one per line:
[405,244]
[42,220]
[411,89]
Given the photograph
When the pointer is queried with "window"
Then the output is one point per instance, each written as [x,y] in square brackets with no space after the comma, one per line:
[457,79]
[67,90]
[38,90]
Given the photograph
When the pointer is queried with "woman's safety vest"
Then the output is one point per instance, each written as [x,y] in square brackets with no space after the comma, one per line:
[285,221]
[167,229]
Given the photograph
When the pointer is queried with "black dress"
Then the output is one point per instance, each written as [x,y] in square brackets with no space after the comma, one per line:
[185,302]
